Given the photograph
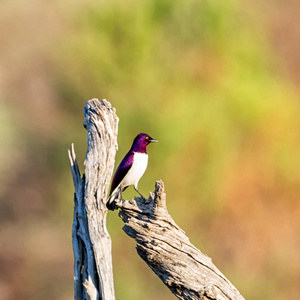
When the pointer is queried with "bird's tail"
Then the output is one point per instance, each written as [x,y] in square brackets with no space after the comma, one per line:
[111,204]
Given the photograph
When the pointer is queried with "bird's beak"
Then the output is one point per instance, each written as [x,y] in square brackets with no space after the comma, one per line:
[153,141]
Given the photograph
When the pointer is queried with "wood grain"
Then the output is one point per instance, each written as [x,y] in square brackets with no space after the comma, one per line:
[185,270]
[93,274]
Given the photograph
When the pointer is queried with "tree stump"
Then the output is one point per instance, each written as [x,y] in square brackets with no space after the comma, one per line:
[185,270]
[93,275]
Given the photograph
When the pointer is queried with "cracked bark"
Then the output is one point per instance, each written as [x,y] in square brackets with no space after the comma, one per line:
[185,270]
[93,276]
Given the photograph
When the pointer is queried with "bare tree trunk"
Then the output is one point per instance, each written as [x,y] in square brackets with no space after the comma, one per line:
[93,276]
[187,272]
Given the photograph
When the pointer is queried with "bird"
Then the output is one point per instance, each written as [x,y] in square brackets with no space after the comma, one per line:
[131,169]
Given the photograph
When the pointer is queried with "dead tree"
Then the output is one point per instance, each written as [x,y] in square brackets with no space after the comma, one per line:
[93,276]
[185,270]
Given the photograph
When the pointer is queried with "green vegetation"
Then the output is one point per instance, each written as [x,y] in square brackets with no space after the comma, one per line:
[200,77]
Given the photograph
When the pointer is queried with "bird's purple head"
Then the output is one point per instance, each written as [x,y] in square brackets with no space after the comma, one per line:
[141,141]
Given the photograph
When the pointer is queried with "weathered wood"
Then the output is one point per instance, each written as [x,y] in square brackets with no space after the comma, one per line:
[184,269]
[91,241]
[187,272]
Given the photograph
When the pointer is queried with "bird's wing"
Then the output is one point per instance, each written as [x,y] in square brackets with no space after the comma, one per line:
[121,171]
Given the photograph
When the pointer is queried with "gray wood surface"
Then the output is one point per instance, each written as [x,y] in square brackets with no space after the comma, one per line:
[93,274]
[185,270]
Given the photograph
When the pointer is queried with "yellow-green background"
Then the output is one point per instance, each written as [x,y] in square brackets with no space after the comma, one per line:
[216,82]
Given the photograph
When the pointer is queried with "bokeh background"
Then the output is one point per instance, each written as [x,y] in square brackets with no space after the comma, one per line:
[216,82]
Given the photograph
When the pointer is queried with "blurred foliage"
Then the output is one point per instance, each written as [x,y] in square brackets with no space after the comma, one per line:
[201,77]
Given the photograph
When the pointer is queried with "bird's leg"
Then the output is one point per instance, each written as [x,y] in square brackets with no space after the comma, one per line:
[139,192]
[121,194]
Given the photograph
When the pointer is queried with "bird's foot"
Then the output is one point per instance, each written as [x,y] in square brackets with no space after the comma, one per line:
[139,193]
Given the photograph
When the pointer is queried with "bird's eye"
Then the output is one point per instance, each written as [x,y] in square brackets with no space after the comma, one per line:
[147,138]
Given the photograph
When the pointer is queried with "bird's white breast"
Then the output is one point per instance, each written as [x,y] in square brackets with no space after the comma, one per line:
[138,168]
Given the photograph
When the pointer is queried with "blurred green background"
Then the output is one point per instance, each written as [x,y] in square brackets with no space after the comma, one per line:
[216,82]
